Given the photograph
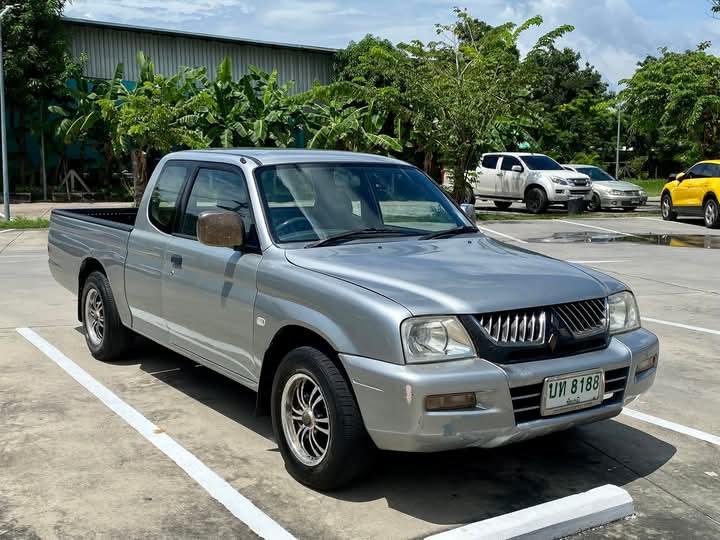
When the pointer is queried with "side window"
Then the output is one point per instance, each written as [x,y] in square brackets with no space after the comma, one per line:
[697,171]
[217,189]
[508,162]
[490,162]
[713,171]
[164,198]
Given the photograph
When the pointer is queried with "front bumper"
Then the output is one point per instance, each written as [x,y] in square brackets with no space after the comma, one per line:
[621,201]
[564,193]
[392,397]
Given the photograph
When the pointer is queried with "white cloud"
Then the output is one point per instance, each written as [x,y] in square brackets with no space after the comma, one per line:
[156,11]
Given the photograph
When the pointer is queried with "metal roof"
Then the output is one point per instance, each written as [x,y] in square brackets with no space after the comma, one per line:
[194,35]
[109,44]
[279,156]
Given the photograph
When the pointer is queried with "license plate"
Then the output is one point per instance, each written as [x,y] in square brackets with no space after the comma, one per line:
[635,201]
[571,392]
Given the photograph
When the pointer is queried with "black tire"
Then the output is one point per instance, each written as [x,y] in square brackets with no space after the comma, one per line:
[502,205]
[711,213]
[115,338]
[536,200]
[666,207]
[594,204]
[349,452]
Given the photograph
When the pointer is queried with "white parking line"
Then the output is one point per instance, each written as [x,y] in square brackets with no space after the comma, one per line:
[596,227]
[7,231]
[595,262]
[554,519]
[501,234]
[679,428]
[685,326]
[210,481]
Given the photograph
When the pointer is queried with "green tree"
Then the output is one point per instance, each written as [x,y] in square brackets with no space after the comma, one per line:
[468,93]
[147,118]
[37,63]
[673,103]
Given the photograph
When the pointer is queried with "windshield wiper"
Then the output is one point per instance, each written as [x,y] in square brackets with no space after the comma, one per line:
[450,232]
[370,232]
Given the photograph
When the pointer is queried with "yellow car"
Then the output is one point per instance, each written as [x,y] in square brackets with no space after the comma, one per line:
[694,193]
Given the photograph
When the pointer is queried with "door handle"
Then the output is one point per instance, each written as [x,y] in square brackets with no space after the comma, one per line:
[176,261]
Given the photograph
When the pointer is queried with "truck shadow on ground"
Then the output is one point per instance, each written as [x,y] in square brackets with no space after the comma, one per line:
[447,488]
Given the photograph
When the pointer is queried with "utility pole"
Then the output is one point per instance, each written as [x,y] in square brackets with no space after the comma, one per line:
[5,179]
[617,146]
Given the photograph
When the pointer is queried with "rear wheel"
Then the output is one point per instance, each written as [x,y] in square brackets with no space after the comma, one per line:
[536,200]
[317,422]
[105,335]
[502,205]
[666,207]
[712,214]
[594,204]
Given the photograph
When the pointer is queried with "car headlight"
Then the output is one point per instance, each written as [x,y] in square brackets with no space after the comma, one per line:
[623,312]
[433,339]
[616,192]
[558,180]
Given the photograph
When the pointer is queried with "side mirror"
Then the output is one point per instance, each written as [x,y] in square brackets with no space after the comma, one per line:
[517,168]
[680,176]
[469,211]
[221,229]
[672,177]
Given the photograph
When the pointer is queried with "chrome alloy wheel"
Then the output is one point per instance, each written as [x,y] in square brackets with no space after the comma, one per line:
[711,211]
[94,317]
[665,206]
[305,419]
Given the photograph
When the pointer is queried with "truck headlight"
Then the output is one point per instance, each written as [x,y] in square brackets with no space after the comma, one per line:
[623,312]
[433,339]
[558,180]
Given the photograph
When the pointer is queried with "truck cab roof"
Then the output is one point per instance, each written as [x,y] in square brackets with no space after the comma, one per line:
[278,156]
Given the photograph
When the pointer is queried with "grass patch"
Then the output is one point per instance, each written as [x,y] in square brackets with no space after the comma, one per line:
[24,223]
[653,186]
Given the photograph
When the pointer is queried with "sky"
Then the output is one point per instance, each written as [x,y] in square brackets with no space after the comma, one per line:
[613,35]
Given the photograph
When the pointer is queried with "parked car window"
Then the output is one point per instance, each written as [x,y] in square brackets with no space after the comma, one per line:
[217,189]
[595,173]
[308,202]
[698,170]
[164,198]
[540,162]
[508,162]
[713,170]
[490,162]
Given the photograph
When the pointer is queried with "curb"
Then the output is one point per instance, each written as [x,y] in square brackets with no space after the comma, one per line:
[554,519]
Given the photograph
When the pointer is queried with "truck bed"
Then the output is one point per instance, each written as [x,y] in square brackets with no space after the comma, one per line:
[118,218]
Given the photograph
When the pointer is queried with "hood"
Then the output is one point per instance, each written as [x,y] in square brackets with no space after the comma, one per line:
[617,184]
[564,174]
[463,275]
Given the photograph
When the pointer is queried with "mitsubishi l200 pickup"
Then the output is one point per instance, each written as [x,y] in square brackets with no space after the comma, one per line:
[361,304]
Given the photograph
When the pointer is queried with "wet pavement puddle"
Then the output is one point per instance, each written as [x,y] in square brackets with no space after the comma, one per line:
[705,241]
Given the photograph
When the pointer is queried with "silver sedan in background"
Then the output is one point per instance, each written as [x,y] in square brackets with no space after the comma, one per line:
[609,192]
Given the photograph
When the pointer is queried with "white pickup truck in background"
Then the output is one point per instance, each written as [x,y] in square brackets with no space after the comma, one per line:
[535,179]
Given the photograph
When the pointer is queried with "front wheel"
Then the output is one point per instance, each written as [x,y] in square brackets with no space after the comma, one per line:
[317,422]
[536,200]
[594,204]
[105,335]
[666,207]
[712,214]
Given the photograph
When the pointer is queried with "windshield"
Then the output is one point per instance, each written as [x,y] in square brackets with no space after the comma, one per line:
[542,163]
[314,201]
[595,173]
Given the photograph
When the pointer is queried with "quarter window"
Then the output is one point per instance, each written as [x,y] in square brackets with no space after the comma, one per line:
[217,189]
[164,198]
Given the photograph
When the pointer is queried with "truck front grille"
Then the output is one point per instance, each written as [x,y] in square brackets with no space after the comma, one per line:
[526,399]
[578,191]
[515,327]
[584,318]
[579,181]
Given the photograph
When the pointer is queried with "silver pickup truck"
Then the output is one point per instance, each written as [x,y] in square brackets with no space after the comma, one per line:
[362,304]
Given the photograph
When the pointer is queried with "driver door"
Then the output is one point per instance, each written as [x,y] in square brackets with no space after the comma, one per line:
[209,292]
[510,180]
[691,189]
